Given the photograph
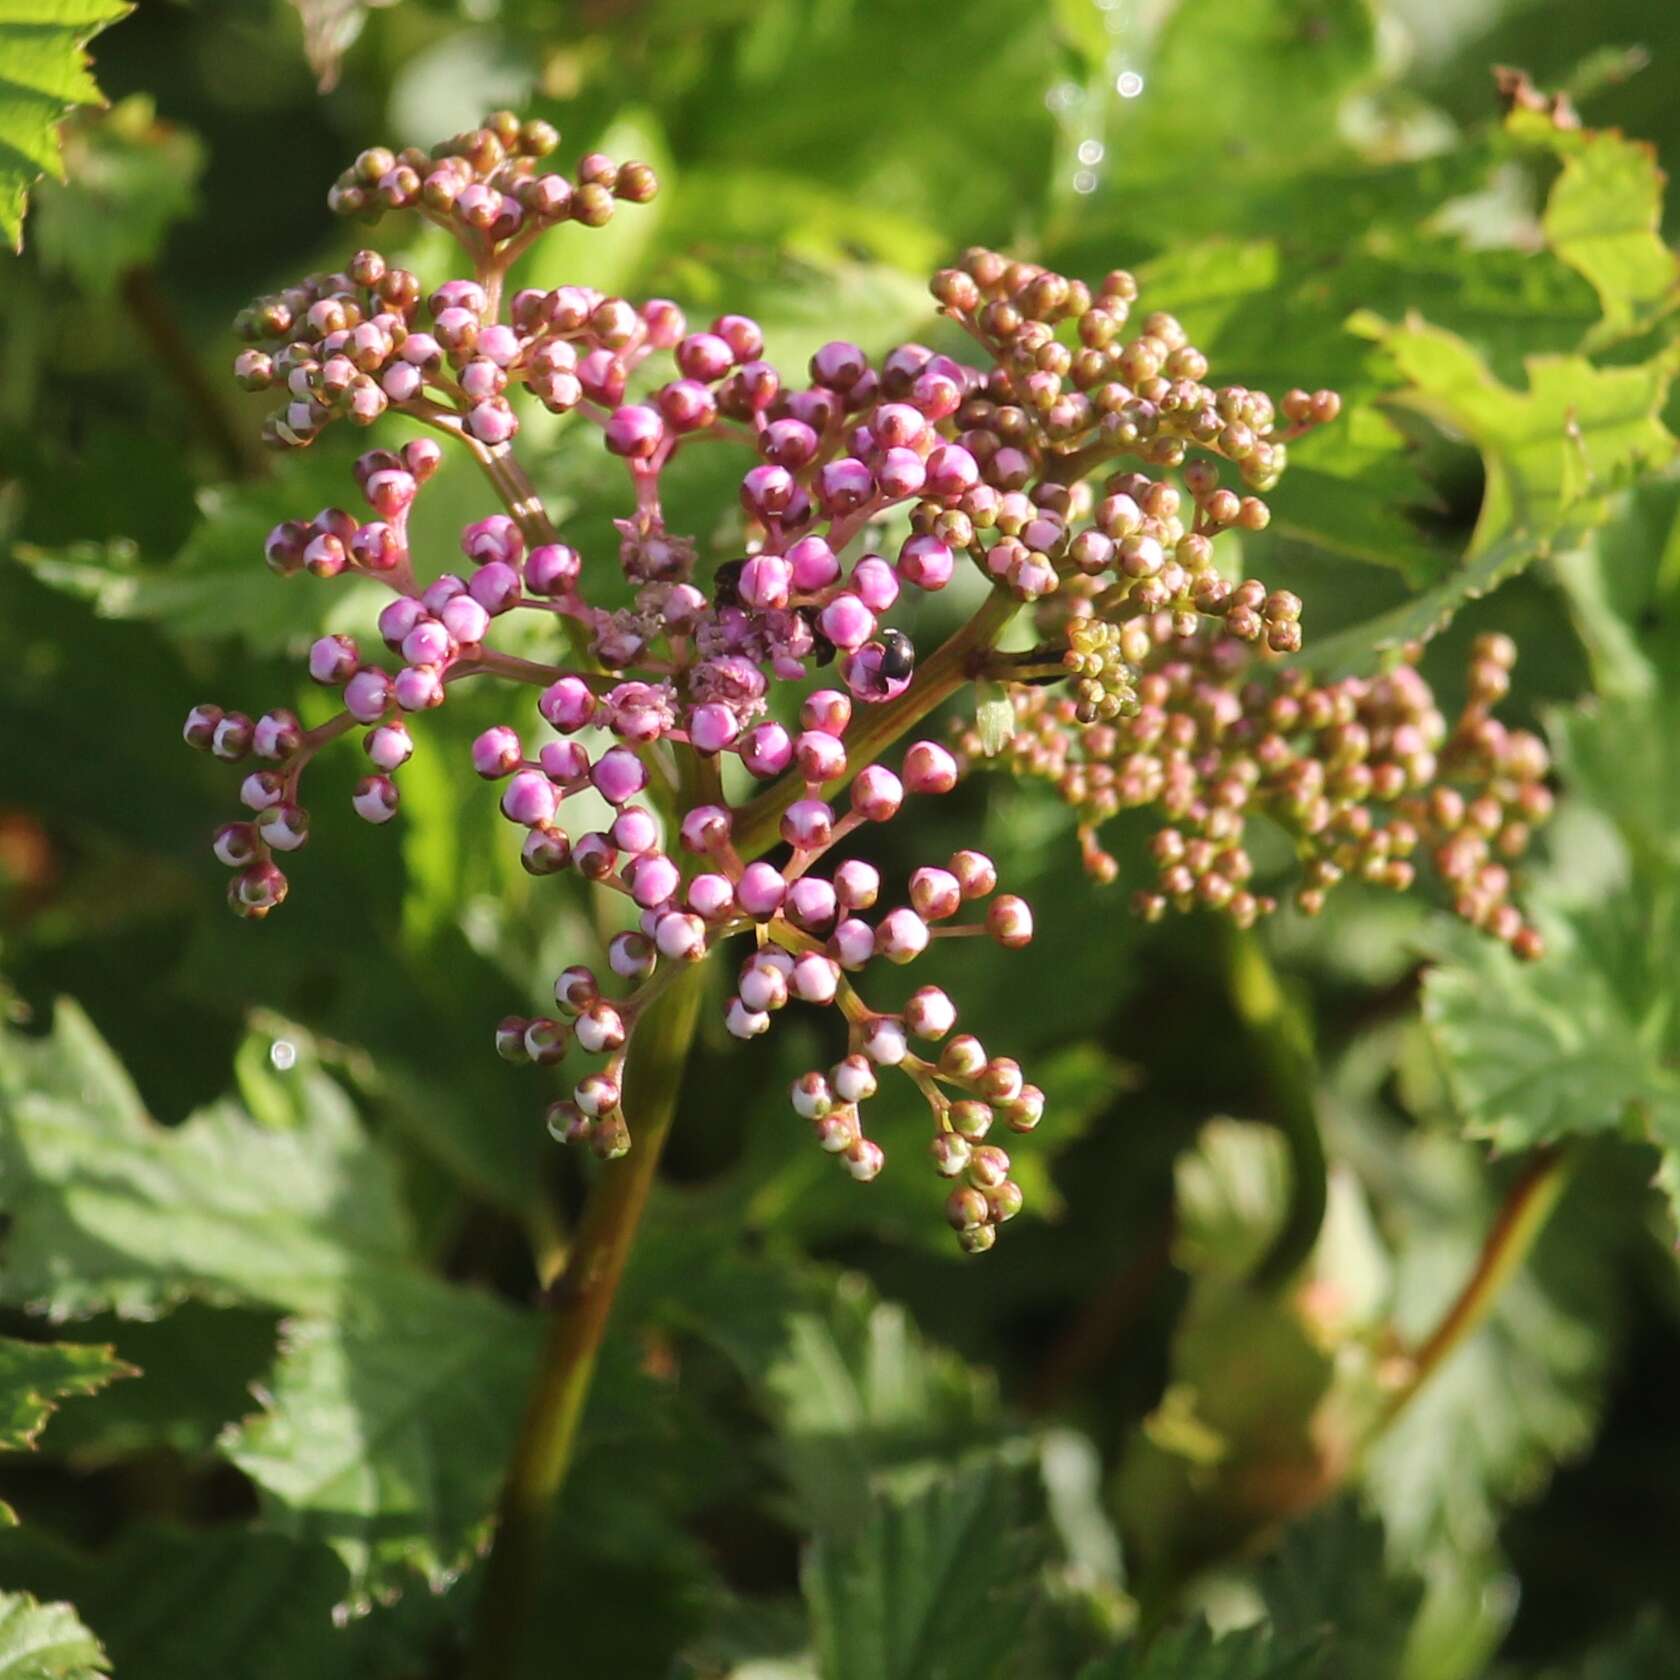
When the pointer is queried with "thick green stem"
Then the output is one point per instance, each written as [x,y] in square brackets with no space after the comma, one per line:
[581,1301]
[1522,1216]
[1281,1038]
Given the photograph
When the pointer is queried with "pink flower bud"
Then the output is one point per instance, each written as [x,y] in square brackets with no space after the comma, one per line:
[857,884]
[397,619]
[951,472]
[466,620]
[600,1028]
[827,710]
[900,473]
[808,824]
[711,896]
[276,734]
[760,890]
[333,661]
[680,936]
[767,491]
[743,1022]
[634,830]
[685,405]
[704,356]
[235,844]
[634,431]
[493,423]
[930,1013]
[763,986]
[926,562]
[935,893]
[950,1154]
[711,727]
[843,486]
[284,827]
[428,643]
[367,695]
[929,768]
[884,1042]
[529,798]
[852,943]
[494,538]
[618,775]
[595,856]
[815,979]
[820,756]
[545,1041]
[567,705]
[765,582]
[814,565]
[706,828]
[766,749]
[552,569]
[847,622]
[564,761]
[864,1160]
[497,753]
[811,1096]
[836,1132]
[1009,921]
[901,937]
[375,799]
[875,583]
[653,879]
[811,904]
[200,728]
[877,793]
[545,850]
[575,989]
[417,688]
[495,587]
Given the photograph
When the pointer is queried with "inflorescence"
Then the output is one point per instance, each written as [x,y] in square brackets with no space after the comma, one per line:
[1169,685]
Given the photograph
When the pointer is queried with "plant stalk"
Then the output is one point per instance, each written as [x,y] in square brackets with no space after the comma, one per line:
[1522,1216]
[581,1301]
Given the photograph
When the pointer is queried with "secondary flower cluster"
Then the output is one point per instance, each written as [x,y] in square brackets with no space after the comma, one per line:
[686,699]
[1364,775]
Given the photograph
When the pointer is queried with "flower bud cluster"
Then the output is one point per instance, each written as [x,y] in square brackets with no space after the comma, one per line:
[1364,774]
[1075,463]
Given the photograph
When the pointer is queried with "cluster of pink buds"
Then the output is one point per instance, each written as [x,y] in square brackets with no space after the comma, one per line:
[735,716]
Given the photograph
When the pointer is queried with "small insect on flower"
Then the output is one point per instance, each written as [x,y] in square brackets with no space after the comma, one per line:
[898,655]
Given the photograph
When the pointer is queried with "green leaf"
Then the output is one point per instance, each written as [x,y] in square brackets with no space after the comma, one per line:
[46,1642]
[1604,218]
[389,1414]
[1551,455]
[936,1586]
[35,1376]
[1329,1580]
[130,177]
[1571,1044]
[385,1429]
[860,1398]
[1195,1652]
[173,1603]
[112,1211]
[43,74]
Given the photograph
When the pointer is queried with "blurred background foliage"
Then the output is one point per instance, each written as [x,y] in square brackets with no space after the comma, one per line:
[273,1189]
